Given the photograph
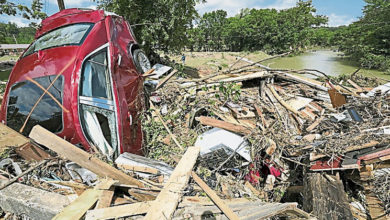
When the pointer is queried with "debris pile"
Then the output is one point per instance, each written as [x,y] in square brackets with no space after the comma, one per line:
[248,143]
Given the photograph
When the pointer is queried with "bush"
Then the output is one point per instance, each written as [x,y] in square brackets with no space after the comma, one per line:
[373,61]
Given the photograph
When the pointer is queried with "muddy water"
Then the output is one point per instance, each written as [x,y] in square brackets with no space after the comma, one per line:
[327,61]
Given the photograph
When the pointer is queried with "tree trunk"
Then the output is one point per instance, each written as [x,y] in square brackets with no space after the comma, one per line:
[61,5]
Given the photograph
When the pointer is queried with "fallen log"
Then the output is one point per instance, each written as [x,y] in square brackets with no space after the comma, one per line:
[82,158]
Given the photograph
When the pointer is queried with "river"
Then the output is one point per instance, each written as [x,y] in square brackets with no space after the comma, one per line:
[327,61]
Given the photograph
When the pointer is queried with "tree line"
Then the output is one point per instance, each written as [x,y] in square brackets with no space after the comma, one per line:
[269,30]
[173,26]
[10,33]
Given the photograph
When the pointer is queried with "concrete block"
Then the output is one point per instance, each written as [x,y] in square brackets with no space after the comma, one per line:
[32,202]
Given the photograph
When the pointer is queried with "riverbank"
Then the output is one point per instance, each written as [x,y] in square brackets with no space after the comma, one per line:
[329,61]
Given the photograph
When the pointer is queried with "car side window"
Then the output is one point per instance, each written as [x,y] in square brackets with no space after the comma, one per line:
[97,107]
[95,79]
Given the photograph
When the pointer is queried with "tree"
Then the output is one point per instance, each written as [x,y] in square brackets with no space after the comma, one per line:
[158,24]
[368,39]
[10,8]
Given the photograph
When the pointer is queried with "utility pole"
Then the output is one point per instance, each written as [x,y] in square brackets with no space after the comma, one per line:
[61,4]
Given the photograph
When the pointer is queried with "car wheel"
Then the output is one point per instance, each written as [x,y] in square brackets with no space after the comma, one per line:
[141,61]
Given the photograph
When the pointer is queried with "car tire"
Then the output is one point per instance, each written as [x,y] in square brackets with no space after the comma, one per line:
[141,61]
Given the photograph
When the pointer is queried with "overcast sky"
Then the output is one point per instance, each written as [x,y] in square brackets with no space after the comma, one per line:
[340,12]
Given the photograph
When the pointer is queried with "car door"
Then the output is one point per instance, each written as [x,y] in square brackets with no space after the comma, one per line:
[97,108]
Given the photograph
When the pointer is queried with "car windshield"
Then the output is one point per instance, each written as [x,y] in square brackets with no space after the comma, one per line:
[68,35]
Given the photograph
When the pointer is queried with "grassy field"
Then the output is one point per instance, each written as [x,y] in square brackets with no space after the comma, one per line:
[8,58]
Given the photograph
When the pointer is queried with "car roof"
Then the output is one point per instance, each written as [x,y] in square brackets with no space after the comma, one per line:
[69,16]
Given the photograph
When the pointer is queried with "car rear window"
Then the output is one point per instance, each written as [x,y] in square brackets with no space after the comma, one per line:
[22,98]
[68,35]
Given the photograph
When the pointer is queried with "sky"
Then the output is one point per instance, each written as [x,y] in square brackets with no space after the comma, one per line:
[340,12]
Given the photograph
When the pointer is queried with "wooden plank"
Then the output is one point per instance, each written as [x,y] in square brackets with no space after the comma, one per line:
[382,153]
[224,125]
[281,101]
[32,152]
[360,89]
[10,138]
[260,114]
[315,156]
[77,208]
[374,205]
[105,199]
[118,211]
[213,196]
[315,124]
[82,158]
[166,79]
[165,125]
[166,202]
[139,169]
[143,195]
[363,146]
[256,75]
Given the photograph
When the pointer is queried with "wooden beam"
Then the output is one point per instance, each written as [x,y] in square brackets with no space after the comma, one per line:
[363,146]
[118,211]
[166,202]
[213,196]
[224,125]
[282,102]
[105,198]
[360,89]
[316,156]
[166,79]
[10,138]
[260,114]
[139,169]
[82,158]
[80,206]
[32,152]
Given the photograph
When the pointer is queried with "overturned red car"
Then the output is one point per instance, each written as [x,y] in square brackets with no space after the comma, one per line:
[81,79]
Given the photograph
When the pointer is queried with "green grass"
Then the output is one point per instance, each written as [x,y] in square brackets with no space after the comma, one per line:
[8,58]
[209,62]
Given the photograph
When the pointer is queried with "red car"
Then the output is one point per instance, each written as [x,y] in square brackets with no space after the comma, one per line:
[81,79]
